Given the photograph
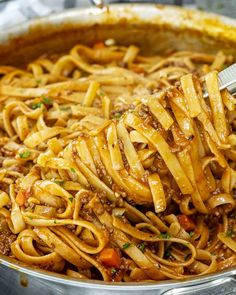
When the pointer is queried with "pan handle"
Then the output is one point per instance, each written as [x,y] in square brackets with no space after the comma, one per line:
[226,286]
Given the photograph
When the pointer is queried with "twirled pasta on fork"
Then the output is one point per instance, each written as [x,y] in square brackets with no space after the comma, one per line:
[114,166]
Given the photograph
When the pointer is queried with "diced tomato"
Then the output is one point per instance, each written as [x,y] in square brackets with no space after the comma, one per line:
[99,45]
[186,222]
[110,257]
[22,196]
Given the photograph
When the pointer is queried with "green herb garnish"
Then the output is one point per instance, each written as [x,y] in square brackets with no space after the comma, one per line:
[55,222]
[229,233]
[72,170]
[101,93]
[167,253]
[186,257]
[38,81]
[126,246]
[142,247]
[70,199]
[65,109]
[191,233]
[164,236]
[35,106]
[25,154]
[59,182]
[113,271]
[47,100]
[116,116]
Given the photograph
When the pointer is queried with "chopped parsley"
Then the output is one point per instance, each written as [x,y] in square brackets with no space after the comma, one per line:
[186,257]
[47,100]
[71,199]
[65,109]
[116,115]
[44,101]
[191,233]
[55,221]
[72,170]
[101,93]
[38,81]
[229,232]
[126,246]
[35,106]
[25,154]
[167,253]
[142,247]
[59,182]
[164,236]
[113,271]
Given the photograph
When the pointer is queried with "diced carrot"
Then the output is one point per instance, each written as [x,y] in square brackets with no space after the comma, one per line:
[138,70]
[22,196]
[99,45]
[186,222]
[110,257]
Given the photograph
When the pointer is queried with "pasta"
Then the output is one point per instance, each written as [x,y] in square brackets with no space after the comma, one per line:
[114,167]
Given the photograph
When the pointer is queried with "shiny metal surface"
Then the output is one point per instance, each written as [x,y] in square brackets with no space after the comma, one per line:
[140,15]
[226,79]
[15,282]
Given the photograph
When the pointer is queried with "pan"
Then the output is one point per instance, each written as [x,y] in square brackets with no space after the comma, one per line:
[155,29]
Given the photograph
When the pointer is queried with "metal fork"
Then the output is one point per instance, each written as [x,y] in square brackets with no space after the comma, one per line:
[226,79]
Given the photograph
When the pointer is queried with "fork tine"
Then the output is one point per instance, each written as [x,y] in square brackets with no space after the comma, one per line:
[227,76]
[227,79]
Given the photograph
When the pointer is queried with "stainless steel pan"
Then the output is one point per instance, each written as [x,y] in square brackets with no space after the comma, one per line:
[155,29]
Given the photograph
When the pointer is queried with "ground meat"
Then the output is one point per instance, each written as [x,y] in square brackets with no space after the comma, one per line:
[212,221]
[125,162]
[119,201]
[145,177]
[159,165]
[17,168]
[101,171]
[85,198]
[87,214]
[99,210]
[220,210]
[179,141]
[118,191]
[148,118]
[4,187]
[6,152]
[71,227]
[6,238]
[116,114]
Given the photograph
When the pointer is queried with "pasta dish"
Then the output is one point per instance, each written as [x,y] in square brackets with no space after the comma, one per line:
[115,167]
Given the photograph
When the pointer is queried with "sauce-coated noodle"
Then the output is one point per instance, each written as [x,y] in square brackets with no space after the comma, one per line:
[114,166]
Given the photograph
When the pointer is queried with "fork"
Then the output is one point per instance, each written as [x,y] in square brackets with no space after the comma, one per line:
[226,79]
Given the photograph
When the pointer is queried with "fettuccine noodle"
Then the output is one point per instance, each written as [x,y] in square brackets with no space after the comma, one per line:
[114,167]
